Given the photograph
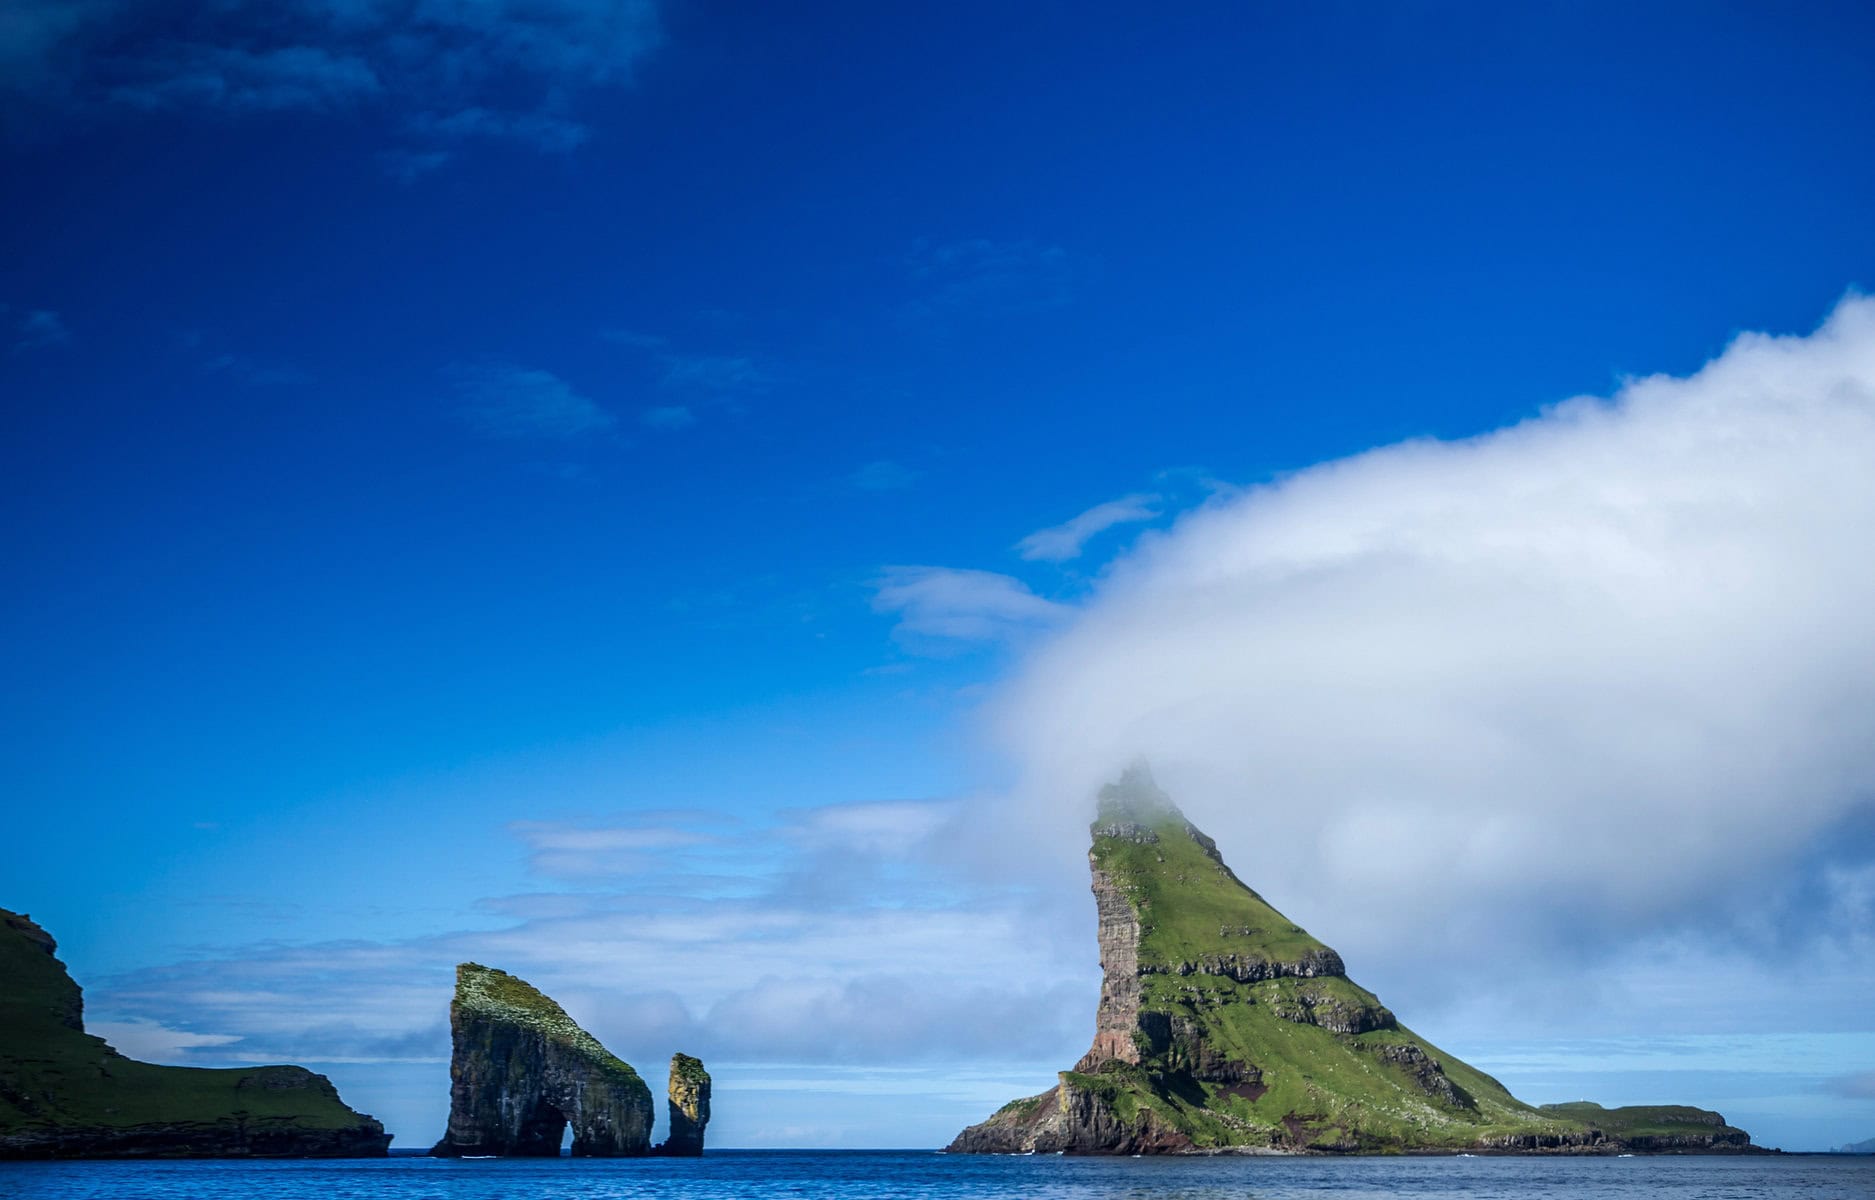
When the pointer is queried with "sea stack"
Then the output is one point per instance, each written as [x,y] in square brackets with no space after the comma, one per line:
[1223,1026]
[521,1071]
[67,1094]
[690,1107]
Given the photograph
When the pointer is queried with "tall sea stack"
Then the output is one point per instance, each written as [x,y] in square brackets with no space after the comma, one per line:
[690,1107]
[521,1072]
[1222,1025]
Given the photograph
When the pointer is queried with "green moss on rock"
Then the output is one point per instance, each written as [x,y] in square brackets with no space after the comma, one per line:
[521,1071]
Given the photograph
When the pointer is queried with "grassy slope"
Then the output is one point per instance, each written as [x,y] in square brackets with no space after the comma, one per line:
[1317,1085]
[489,992]
[1192,908]
[53,1074]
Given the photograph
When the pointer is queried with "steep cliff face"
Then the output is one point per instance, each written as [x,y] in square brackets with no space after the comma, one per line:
[689,1107]
[521,1072]
[1223,1025]
[67,1094]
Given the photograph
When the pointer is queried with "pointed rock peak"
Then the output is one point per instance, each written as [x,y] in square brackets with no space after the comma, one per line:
[1135,809]
[1136,796]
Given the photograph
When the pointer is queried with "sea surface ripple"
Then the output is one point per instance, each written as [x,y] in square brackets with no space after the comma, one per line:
[924,1175]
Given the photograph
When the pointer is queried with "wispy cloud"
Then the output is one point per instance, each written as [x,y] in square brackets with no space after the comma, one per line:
[308,78]
[834,939]
[525,402]
[962,605]
[691,382]
[713,373]
[668,416]
[543,131]
[247,370]
[39,329]
[1066,540]
[564,851]
[883,475]
[985,276]
[150,1042]
[1857,1086]
[514,70]
[408,166]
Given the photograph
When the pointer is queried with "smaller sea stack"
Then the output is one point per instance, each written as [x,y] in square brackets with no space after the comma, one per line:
[690,1108]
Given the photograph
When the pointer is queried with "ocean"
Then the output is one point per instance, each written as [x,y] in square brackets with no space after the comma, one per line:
[924,1175]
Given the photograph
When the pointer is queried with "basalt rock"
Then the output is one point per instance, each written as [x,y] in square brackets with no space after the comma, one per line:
[521,1071]
[67,1094]
[689,1108]
[1223,1026]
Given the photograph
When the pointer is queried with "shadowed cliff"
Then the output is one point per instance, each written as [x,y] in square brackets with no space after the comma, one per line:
[521,1072]
[67,1094]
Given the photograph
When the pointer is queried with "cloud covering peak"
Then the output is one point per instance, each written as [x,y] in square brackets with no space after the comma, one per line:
[1605,668]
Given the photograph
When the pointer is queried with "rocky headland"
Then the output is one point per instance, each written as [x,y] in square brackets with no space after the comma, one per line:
[67,1094]
[521,1071]
[1224,1027]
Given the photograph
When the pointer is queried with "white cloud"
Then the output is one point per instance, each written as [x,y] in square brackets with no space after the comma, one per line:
[148,1041]
[889,828]
[562,851]
[1605,672]
[963,605]
[1066,540]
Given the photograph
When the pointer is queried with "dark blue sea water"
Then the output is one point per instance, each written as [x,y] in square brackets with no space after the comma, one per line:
[922,1175]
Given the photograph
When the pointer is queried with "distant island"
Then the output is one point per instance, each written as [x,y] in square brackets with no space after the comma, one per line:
[67,1094]
[1863,1147]
[1224,1027]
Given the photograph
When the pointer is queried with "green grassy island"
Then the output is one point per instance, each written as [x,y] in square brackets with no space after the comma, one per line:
[1225,1027]
[67,1094]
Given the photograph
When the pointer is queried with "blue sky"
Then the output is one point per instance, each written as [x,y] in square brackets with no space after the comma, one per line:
[493,478]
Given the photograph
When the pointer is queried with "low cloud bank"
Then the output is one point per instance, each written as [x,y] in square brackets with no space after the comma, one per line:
[1605,674]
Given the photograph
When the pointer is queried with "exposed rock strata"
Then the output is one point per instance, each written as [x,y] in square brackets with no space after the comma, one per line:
[689,1108]
[1223,1026]
[67,1094]
[521,1071]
